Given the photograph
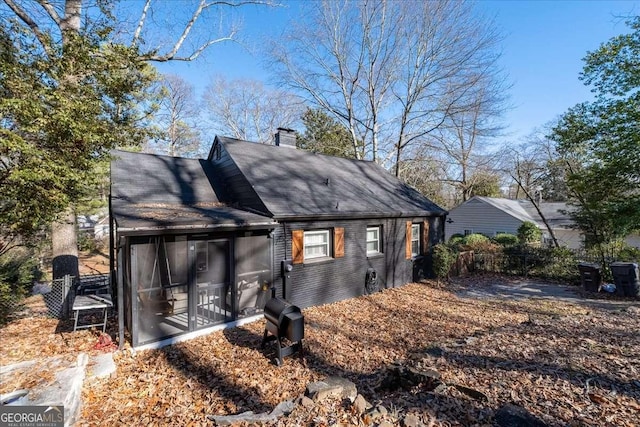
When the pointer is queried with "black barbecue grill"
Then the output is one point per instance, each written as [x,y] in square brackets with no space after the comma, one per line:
[285,324]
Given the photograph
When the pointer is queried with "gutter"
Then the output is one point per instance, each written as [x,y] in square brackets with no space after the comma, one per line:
[130,231]
[358,215]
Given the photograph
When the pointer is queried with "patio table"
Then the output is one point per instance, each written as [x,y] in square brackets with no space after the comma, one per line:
[91,302]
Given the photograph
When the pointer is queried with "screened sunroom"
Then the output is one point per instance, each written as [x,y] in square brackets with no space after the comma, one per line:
[185,261]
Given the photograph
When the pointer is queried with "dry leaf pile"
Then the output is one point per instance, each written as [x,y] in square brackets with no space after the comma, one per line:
[566,364]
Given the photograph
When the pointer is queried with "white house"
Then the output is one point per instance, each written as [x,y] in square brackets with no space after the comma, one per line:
[491,216]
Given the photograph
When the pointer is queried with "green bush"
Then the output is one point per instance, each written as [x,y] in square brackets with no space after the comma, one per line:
[629,254]
[18,270]
[529,233]
[456,240]
[479,243]
[475,239]
[444,256]
[506,239]
[87,242]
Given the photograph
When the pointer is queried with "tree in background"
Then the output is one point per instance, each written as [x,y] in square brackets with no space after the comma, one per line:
[323,134]
[603,137]
[390,72]
[177,118]
[247,110]
[71,86]
[68,98]
[423,173]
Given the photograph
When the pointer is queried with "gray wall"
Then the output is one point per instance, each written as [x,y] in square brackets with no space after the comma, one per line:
[322,282]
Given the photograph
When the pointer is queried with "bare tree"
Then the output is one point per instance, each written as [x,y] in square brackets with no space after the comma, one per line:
[526,164]
[464,136]
[177,117]
[246,109]
[391,72]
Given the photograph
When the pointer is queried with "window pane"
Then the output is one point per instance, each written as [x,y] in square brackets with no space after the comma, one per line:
[372,234]
[316,244]
[415,232]
[372,247]
[415,247]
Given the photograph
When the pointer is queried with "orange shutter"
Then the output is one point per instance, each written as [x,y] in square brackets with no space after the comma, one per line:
[425,237]
[338,242]
[297,246]
[408,254]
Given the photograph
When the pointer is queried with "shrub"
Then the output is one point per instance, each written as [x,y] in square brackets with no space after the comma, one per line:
[475,239]
[479,243]
[444,256]
[456,240]
[18,270]
[529,233]
[629,254]
[506,239]
[87,242]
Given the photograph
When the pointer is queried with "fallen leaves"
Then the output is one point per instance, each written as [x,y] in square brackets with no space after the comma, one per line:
[566,364]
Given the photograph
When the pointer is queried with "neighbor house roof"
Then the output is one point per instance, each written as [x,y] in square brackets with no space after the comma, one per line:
[554,212]
[155,192]
[294,183]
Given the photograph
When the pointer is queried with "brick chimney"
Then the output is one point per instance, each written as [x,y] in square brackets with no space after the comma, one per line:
[286,138]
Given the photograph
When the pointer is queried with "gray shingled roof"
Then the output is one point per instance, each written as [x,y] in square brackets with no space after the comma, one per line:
[294,183]
[154,192]
[554,212]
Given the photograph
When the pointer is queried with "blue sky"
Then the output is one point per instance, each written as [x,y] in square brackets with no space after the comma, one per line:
[543,48]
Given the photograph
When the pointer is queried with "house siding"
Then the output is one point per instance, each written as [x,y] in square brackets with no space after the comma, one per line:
[321,282]
[481,218]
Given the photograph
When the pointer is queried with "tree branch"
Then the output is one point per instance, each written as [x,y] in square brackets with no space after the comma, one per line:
[141,21]
[50,10]
[171,55]
[24,17]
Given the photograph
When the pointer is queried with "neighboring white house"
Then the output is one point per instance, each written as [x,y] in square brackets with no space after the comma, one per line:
[491,216]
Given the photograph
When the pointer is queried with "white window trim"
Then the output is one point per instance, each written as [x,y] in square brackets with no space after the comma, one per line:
[418,227]
[327,244]
[378,229]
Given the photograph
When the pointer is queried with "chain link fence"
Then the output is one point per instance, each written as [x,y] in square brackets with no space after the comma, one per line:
[58,295]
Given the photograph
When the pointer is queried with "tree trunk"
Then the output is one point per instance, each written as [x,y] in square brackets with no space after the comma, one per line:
[65,245]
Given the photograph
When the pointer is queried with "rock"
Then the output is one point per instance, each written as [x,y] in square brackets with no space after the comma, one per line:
[306,402]
[516,416]
[411,420]
[332,387]
[478,395]
[360,405]
[385,424]
[283,408]
[382,410]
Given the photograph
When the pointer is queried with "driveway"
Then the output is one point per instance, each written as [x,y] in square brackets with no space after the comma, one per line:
[482,287]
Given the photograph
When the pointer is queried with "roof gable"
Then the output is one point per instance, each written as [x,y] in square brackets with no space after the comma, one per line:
[296,183]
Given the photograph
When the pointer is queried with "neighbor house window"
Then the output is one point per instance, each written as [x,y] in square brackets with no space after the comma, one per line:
[467,232]
[415,240]
[373,240]
[316,244]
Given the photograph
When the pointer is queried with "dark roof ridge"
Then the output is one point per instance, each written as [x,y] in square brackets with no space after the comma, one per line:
[300,150]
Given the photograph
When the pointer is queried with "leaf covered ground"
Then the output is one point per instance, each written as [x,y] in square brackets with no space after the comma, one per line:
[566,364]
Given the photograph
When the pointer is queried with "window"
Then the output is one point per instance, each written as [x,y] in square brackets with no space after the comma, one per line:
[316,244]
[373,240]
[467,232]
[415,240]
